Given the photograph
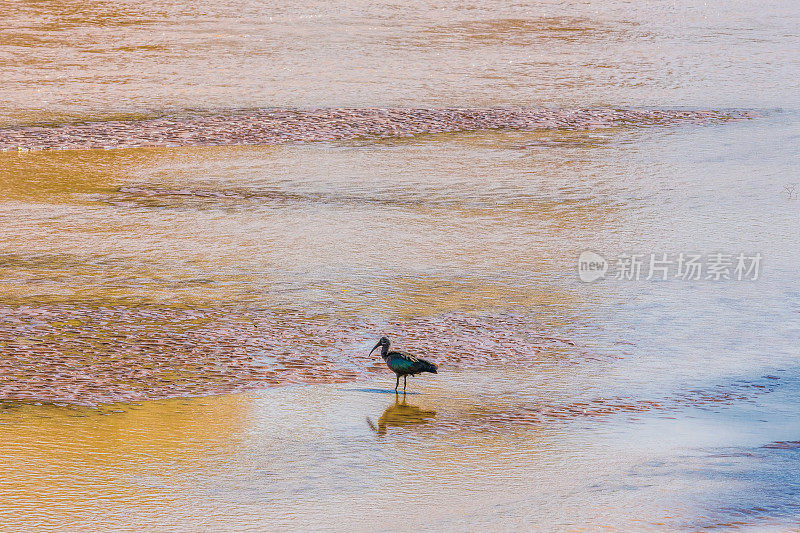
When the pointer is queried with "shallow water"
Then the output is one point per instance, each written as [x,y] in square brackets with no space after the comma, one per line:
[72,58]
[468,447]
[559,404]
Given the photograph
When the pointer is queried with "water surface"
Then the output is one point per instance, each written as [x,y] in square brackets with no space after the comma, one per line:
[560,404]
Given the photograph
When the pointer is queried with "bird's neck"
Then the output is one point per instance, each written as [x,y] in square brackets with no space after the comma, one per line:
[384,351]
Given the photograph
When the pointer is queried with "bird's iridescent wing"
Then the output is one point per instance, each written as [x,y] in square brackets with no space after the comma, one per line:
[402,362]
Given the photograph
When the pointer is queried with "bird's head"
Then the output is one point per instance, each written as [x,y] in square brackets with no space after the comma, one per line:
[383,343]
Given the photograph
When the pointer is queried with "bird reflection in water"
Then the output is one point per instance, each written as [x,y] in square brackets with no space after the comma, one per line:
[401,414]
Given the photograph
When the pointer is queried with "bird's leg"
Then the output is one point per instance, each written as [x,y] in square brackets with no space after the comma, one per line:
[405,380]
[397,383]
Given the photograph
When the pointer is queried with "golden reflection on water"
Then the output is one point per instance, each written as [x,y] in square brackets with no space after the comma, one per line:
[73,468]
[57,176]
[196,226]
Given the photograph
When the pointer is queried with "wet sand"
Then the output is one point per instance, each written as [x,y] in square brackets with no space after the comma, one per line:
[81,355]
[91,356]
[276,126]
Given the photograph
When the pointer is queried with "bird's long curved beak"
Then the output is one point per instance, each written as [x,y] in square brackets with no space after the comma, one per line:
[373,349]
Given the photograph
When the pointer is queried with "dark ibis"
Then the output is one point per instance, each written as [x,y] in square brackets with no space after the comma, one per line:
[402,364]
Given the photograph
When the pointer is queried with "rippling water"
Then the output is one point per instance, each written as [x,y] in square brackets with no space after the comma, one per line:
[150,272]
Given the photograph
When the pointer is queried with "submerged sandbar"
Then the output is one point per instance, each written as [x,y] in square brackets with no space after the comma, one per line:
[277,126]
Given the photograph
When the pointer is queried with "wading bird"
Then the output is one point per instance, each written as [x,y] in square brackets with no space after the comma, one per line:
[402,364]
